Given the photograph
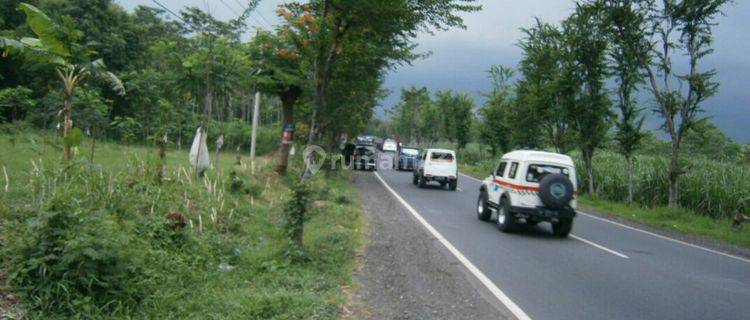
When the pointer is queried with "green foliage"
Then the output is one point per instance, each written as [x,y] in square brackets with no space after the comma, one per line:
[73,262]
[50,34]
[14,102]
[495,126]
[74,138]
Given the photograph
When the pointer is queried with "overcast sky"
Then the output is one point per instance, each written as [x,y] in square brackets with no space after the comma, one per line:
[460,58]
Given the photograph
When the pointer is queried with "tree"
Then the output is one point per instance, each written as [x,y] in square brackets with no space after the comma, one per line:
[622,21]
[58,45]
[495,126]
[457,112]
[679,27]
[277,57]
[408,117]
[586,67]
[387,26]
[544,96]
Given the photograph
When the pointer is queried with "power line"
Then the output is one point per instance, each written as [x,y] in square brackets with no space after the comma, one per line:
[232,10]
[257,22]
[167,9]
[264,18]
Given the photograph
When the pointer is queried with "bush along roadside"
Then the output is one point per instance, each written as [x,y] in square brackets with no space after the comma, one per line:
[95,243]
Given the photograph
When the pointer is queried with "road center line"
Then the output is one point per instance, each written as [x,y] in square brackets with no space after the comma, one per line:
[599,246]
[502,297]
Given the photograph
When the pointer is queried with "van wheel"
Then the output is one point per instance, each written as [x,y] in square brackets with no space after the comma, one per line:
[414,179]
[505,220]
[483,210]
[453,185]
[442,184]
[421,183]
[562,228]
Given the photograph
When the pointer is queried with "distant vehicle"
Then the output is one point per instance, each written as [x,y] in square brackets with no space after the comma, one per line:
[530,186]
[390,145]
[407,158]
[365,157]
[436,165]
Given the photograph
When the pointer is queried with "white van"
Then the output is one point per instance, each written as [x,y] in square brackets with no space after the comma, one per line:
[436,165]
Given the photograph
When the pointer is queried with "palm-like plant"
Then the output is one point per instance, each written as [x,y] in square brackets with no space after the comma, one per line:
[58,45]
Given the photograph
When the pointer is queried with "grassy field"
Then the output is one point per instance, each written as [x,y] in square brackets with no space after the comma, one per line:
[681,220]
[96,242]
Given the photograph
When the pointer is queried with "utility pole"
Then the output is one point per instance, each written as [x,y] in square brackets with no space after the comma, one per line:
[256,110]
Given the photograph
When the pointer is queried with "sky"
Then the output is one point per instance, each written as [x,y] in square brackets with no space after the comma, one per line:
[459,59]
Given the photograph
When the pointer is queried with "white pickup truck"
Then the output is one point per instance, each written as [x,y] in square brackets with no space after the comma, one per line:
[530,186]
[436,165]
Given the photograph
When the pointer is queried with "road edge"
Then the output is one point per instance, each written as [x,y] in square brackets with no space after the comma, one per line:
[478,274]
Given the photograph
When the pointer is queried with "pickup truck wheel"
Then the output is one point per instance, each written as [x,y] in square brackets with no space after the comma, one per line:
[414,179]
[483,210]
[453,185]
[505,220]
[421,183]
[562,228]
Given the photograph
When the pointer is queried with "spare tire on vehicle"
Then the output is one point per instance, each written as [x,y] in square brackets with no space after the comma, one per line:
[556,191]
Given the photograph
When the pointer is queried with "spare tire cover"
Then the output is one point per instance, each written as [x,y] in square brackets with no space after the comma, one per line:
[556,191]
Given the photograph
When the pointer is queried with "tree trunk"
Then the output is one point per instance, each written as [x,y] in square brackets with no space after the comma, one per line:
[67,124]
[287,106]
[674,173]
[587,161]
[629,160]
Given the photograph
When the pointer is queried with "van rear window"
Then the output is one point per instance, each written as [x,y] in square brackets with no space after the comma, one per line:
[537,171]
[441,157]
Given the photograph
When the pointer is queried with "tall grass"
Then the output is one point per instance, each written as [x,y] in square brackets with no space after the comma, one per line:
[710,188]
[109,240]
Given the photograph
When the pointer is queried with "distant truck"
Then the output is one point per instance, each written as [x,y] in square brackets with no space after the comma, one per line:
[529,187]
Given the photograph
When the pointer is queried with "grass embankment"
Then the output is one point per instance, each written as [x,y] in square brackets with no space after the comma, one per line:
[97,242]
[680,220]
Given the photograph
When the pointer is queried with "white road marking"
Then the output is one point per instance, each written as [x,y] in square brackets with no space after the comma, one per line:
[650,233]
[665,237]
[599,246]
[502,297]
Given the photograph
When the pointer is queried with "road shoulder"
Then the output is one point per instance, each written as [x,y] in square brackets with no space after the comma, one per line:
[405,273]
[687,238]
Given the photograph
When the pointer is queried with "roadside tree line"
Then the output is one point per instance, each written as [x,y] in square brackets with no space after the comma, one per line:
[586,84]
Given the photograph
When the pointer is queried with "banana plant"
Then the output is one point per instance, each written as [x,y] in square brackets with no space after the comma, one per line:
[58,46]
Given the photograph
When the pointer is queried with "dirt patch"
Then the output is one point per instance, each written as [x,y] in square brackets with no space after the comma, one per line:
[406,273]
[9,308]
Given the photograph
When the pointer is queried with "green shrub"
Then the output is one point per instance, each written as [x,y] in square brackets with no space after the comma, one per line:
[76,263]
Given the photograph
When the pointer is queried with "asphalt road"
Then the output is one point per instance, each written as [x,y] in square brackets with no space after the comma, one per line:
[603,271]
